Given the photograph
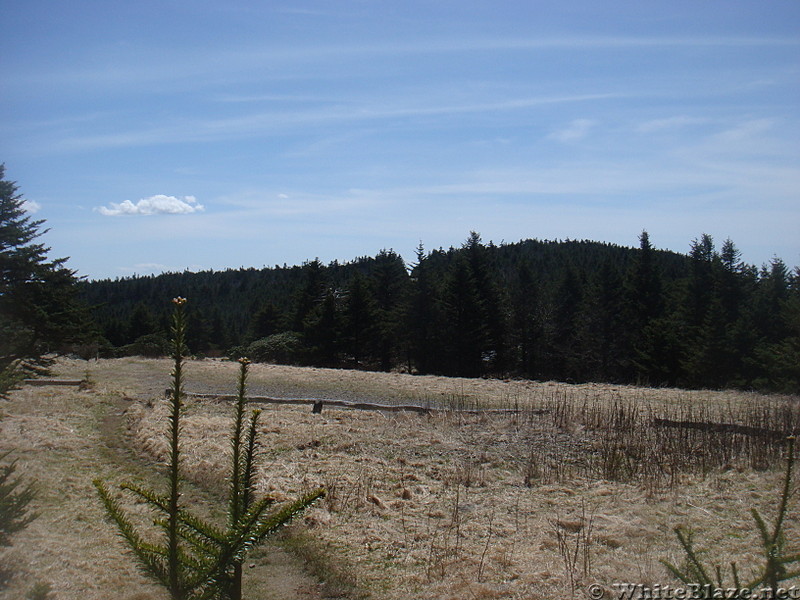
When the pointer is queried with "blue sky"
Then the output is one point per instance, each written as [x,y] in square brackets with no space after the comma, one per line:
[169,135]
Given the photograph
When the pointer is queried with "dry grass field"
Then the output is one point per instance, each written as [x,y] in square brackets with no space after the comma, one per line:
[578,487]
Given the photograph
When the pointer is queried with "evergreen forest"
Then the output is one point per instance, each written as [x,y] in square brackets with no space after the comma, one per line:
[572,311]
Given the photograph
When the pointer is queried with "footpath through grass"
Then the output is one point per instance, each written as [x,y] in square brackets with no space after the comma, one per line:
[63,438]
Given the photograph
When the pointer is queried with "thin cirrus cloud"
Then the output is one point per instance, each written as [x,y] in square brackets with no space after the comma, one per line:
[31,207]
[576,130]
[154,205]
[260,123]
[670,123]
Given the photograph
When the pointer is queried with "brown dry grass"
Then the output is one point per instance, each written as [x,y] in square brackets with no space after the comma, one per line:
[444,506]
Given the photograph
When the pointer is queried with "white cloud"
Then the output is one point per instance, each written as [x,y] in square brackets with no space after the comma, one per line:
[668,123]
[347,111]
[154,205]
[31,207]
[577,130]
[746,131]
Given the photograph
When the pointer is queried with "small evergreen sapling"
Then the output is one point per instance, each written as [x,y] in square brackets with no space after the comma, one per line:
[197,560]
[14,500]
[777,564]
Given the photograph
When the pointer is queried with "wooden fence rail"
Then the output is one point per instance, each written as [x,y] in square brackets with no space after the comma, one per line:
[75,382]
[318,403]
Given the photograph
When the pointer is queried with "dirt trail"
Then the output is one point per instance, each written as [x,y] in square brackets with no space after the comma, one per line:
[63,438]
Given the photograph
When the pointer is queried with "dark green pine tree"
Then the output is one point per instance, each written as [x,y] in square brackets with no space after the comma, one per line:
[480,259]
[776,316]
[773,291]
[716,346]
[652,346]
[40,310]
[311,292]
[321,331]
[782,358]
[731,281]
[423,317]
[266,321]
[565,351]
[465,332]
[142,322]
[358,327]
[114,330]
[602,326]
[200,338]
[15,497]
[737,286]
[644,287]
[701,281]
[220,333]
[528,330]
[708,357]
[389,281]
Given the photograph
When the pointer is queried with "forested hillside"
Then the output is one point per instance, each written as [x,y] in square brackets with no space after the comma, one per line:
[568,310]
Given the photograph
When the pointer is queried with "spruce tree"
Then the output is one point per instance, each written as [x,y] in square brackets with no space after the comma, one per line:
[15,496]
[321,331]
[310,293]
[480,261]
[39,307]
[564,343]
[651,346]
[389,284]
[527,321]
[601,326]
[266,321]
[423,317]
[466,333]
[358,318]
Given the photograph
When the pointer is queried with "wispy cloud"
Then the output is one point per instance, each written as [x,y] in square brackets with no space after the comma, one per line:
[745,132]
[260,123]
[180,67]
[31,206]
[669,123]
[576,130]
[154,205]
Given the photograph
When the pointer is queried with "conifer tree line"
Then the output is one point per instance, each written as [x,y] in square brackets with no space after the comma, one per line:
[562,310]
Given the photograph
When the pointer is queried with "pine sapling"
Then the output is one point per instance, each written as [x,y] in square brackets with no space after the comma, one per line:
[165,563]
[198,560]
[14,499]
[777,566]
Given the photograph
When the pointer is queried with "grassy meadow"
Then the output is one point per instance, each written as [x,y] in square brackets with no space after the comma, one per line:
[577,485]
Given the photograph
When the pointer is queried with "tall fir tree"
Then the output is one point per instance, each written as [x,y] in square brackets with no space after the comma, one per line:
[466,337]
[528,327]
[321,331]
[565,359]
[40,310]
[266,321]
[359,325]
[390,292]
[492,303]
[310,293]
[423,317]
[652,350]
[601,326]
